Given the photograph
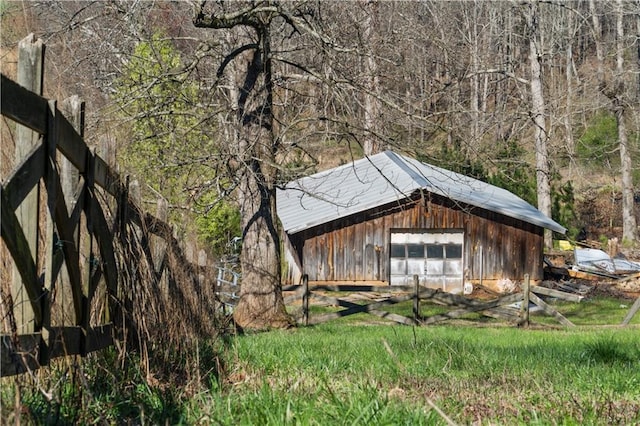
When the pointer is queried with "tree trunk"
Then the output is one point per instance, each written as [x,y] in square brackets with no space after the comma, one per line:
[261,304]
[597,35]
[569,100]
[475,80]
[370,143]
[539,122]
[629,230]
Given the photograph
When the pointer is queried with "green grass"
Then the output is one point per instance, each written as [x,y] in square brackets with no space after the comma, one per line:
[593,311]
[381,374]
[361,371]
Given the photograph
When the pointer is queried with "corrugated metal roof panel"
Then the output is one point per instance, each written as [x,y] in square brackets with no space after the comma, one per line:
[386,177]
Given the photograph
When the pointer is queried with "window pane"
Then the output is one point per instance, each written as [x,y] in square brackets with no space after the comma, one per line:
[415,250]
[397,250]
[434,251]
[454,251]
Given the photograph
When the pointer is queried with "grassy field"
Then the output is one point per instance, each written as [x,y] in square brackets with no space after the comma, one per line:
[356,371]
[380,374]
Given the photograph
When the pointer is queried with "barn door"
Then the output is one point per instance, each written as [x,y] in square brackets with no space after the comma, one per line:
[434,255]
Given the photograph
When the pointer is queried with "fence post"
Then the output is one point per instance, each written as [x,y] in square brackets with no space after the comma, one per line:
[73,110]
[30,76]
[305,299]
[416,298]
[524,309]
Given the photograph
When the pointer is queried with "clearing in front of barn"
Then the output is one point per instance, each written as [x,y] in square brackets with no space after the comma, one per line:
[341,373]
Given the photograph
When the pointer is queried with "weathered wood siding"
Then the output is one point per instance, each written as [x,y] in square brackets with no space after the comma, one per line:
[356,248]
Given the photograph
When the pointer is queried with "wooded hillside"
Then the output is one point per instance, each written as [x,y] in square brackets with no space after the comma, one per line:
[515,93]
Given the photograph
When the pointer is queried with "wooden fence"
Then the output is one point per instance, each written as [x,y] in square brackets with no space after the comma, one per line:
[513,308]
[75,240]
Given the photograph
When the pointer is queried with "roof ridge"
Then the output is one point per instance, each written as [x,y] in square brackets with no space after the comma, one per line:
[408,169]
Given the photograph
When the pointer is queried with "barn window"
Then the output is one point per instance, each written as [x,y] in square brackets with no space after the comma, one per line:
[397,250]
[454,251]
[415,250]
[434,255]
[434,251]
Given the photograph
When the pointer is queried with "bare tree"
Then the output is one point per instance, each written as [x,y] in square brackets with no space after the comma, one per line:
[538,117]
[371,36]
[597,36]
[619,99]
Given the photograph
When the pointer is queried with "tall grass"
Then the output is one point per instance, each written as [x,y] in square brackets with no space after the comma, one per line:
[344,374]
[349,373]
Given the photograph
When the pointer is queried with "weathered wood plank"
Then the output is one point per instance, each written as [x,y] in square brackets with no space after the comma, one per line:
[336,301]
[23,106]
[73,340]
[440,297]
[67,229]
[550,311]
[504,314]
[296,294]
[573,288]
[71,144]
[289,300]
[556,293]
[364,288]
[584,275]
[78,202]
[51,178]
[30,73]
[296,287]
[353,308]
[394,317]
[506,300]
[99,337]
[63,341]
[106,178]
[105,244]
[524,306]
[73,109]
[25,177]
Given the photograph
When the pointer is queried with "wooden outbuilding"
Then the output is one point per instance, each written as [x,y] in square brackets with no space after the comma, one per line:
[385,218]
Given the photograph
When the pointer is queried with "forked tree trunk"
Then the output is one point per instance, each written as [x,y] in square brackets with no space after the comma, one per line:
[261,304]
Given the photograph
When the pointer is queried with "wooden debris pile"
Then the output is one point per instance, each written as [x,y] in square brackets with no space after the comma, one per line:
[593,265]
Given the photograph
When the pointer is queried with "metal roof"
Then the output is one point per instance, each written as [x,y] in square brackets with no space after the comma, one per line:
[384,178]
